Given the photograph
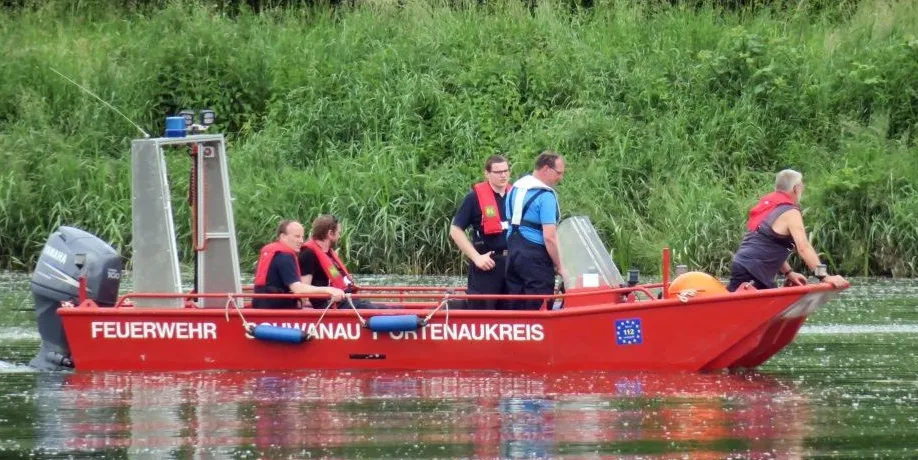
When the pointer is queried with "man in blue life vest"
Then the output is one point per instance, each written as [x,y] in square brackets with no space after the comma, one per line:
[320,266]
[277,271]
[532,240]
[774,230]
[483,209]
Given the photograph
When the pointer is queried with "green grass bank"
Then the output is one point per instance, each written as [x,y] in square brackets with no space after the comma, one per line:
[673,120]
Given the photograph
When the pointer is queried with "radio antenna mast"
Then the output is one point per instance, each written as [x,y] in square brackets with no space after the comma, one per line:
[145,134]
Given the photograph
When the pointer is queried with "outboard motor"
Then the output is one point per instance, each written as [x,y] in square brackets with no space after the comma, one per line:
[56,280]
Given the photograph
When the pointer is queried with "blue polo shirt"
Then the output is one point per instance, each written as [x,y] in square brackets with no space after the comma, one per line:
[543,210]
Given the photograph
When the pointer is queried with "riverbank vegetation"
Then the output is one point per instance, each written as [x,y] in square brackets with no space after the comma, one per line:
[673,119]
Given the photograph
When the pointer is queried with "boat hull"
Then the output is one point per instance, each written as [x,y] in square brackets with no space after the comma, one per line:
[726,331]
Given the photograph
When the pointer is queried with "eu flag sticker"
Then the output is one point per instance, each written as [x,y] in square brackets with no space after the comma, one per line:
[628,332]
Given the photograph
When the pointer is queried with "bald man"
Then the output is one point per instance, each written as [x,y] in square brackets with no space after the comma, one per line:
[278,272]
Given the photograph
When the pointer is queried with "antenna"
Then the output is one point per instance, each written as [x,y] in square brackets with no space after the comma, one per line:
[145,134]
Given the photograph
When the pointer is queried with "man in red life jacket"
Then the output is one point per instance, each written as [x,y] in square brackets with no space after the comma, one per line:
[774,230]
[277,271]
[484,210]
[321,267]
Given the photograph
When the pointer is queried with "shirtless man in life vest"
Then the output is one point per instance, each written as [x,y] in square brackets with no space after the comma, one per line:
[775,230]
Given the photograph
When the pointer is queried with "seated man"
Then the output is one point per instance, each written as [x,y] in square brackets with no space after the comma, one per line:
[775,230]
[320,266]
[277,271]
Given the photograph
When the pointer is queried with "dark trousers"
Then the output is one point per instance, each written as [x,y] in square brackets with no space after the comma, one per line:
[740,274]
[530,271]
[492,281]
[360,304]
[278,304]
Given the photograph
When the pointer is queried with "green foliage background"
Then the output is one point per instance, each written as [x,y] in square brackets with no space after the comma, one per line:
[673,119]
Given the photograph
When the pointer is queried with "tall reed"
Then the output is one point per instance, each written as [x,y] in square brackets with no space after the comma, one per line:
[673,120]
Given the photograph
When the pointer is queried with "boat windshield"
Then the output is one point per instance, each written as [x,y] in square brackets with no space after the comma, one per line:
[584,257]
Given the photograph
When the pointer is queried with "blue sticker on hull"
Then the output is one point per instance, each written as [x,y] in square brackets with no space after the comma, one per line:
[628,332]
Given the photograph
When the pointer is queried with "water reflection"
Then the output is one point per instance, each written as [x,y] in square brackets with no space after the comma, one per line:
[419,414]
[848,389]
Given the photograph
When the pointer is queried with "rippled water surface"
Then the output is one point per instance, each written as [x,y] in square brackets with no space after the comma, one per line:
[846,388]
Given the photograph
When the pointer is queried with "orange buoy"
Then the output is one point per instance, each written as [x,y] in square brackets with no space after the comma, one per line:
[695,284]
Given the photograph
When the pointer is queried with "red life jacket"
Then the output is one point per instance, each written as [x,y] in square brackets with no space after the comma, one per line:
[768,203]
[335,277]
[266,256]
[491,223]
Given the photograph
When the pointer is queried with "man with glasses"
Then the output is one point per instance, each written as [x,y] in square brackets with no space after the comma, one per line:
[774,230]
[532,239]
[483,209]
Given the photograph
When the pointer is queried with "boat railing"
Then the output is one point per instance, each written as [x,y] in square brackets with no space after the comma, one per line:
[456,291]
[403,297]
[398,290]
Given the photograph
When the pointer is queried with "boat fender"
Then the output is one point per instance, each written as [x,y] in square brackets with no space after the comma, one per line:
[279,334]
[695,284]
[394,323]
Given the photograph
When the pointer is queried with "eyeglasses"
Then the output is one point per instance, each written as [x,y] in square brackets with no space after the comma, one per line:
[501,172]
[560,173]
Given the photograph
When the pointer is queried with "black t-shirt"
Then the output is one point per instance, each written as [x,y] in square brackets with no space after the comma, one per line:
[469,215]
[281,274]
[309,265]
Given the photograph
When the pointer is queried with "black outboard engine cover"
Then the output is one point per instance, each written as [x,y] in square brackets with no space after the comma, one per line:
[56,279]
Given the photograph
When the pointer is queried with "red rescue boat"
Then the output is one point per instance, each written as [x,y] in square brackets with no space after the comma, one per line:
[601,322]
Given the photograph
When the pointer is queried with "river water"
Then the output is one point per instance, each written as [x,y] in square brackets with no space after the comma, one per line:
[846,388]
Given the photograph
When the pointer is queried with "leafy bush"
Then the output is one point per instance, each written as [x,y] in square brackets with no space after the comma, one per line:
[673,119]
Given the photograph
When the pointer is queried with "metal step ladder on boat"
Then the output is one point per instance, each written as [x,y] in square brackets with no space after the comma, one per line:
[155,253]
